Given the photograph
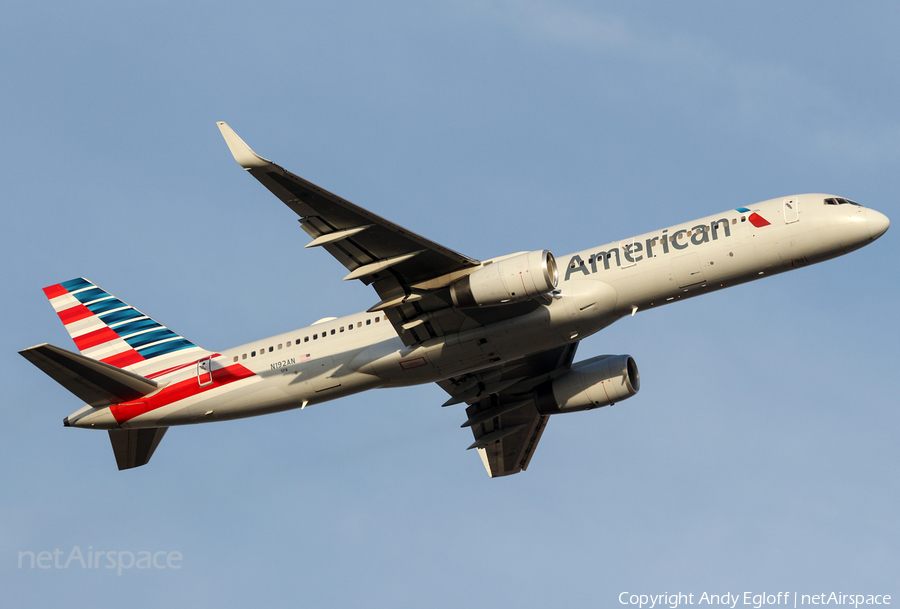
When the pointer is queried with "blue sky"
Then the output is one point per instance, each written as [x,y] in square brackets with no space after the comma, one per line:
[761,452]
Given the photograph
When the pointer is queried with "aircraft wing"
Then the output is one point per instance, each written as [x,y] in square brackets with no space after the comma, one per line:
[501,413]
[403,267]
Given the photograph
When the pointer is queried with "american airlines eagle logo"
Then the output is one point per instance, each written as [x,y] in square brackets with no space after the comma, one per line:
[754,218]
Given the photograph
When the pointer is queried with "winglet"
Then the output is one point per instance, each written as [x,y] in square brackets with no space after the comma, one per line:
[242,153]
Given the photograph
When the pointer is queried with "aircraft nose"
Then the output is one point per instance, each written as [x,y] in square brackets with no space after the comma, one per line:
[878,223]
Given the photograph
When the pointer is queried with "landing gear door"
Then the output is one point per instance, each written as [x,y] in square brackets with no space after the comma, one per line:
[791,210]
[204,371]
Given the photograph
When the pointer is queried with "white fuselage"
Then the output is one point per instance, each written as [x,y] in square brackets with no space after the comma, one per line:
[597,286]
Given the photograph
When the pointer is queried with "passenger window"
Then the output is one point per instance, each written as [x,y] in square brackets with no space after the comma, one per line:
[368,322]
[743,218]
[342,328]
[244,356]
[734,220]
[253,354]
[271,349]
[359,324]
[289,344]
[235,358]
[332,331]
[279,345]
[377,319]
[306,339]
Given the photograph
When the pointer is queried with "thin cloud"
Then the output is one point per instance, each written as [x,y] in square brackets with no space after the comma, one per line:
[767,99]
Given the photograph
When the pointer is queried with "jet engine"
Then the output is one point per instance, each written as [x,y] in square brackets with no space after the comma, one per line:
[514,279]
[599,381]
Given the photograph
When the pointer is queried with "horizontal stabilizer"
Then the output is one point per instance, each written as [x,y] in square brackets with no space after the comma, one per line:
[134,447]
[96,383]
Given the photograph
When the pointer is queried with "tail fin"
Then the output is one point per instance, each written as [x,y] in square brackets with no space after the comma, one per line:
[106,329]
[134,447]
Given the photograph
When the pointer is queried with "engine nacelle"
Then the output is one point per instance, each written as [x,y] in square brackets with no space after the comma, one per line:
[599,381]
[514,279]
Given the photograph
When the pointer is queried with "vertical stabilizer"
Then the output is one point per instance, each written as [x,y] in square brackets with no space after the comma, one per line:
[111,331]
[134,447]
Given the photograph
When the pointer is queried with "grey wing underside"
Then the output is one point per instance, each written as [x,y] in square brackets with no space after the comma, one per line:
[409,272]
[501,410]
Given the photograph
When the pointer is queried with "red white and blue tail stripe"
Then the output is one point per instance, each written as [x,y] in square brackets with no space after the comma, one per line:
[107,329]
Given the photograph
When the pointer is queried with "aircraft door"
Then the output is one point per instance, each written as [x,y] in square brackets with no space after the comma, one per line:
[204,371]
[791,210]
[687,270]
[320,374]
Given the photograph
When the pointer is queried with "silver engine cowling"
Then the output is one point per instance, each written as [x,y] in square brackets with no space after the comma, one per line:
[599,381]
[514,279]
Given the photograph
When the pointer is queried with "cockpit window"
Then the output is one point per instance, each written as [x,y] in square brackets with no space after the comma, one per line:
[839,201]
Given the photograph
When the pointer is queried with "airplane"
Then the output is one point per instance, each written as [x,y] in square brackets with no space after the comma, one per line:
[498,335]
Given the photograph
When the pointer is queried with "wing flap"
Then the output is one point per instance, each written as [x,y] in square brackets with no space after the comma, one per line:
[486,415]
[495,435]
[336,236]
[380,265]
